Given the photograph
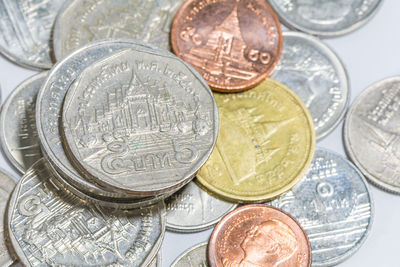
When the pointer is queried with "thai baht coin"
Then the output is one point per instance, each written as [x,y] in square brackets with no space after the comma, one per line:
[195,256]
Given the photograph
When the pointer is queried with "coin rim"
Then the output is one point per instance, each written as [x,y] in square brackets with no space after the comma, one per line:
[183,254]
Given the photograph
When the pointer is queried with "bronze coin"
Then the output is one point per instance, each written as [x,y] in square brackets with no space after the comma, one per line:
[259,235]
[234,44]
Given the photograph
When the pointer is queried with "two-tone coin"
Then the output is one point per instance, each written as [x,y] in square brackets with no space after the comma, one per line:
[194,256]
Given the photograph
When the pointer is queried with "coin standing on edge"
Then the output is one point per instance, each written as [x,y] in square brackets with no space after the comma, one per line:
[315,73]
[233,44]
[333,205]
[194,256]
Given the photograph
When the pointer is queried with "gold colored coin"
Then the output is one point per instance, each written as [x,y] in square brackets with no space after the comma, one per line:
[265,145]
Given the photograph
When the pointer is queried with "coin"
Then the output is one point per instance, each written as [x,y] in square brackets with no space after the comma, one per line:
[233,44]
[84,21]
[195,256]
[26,31]
[156,261]
[329,18]
[265,144]
[191,209]
[19,138]
[333,205]
[371,134]
[258,235]
[316,74]
[140,122]
[43,219]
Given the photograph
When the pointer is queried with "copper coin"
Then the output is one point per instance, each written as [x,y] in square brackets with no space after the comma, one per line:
[259,235]
[234,44]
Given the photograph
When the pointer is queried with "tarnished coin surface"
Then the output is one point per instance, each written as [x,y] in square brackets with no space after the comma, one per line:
[372,135]
[25,27]
[19,138]
[328,18]
[233,44]
[140,121]
[265,144]
[258,235]
[84,21]
[195,256]
[333,205]
[314,72]
[49,227]
[192,209]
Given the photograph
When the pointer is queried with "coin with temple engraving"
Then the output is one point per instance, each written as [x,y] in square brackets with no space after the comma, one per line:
[195,256]
[265,144]
[233,44]
[333,205]
[49,227]
[258,235]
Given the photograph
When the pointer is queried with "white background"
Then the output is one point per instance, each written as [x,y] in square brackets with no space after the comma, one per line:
[370,54]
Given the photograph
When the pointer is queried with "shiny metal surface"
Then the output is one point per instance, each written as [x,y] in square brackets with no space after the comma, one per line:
[195,256]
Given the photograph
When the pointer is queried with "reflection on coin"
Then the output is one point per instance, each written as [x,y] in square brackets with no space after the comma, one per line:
[258,235]
[84,21]
[265,144]
[314,72]
[233,44]
[192,209]
[156,261]
[371,134]
[333,205]
[25,27]
[43,218]
[328,18]
[195,256]
[140,121]
[19,138]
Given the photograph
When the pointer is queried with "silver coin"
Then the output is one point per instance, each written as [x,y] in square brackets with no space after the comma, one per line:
[49,227]
[327,18]
[333,205]
[195,256]
[315,73]
[372,135]
[19,138]
[26,27]
[84,21]
[191,209]
[156,261]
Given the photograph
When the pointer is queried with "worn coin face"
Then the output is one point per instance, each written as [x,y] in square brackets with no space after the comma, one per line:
[328,18]
[192,209]
[314,72]
[258,235]
[26,31]
[233,44]
[43,219]
[371,134]
[265,144]
[195,256]
[19,138]
[333,205]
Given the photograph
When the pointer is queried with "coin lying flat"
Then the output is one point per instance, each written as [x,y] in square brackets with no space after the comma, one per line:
[333,205]
[265,144]
[327,18]
[156,261]
[233,44]
[49,227]
[371,134]
[26,31]
[258,235]
[195,256]
[314,72]
[19,138]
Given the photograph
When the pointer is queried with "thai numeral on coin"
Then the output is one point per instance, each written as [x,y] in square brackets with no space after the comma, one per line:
[255,55]
[190,35]
[185,152]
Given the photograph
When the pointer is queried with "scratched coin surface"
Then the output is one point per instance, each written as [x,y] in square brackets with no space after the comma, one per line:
[49,227]
[315,73]
[372,135]
[84,21]
[265,144]
[333,205]
[140,121]
[233,44]
[195,256]
[192,209]
[327,18]
[25,27]
[19,138]
[258,235]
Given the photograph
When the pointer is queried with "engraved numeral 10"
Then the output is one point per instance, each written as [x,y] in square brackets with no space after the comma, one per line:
[189,34]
